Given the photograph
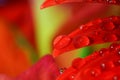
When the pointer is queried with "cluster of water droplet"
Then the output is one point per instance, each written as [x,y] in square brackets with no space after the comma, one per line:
[97,31]
[101,65]
[48,3]
[98,1]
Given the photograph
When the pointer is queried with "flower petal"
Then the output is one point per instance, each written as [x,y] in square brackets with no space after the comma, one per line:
[45,69]
[48,3]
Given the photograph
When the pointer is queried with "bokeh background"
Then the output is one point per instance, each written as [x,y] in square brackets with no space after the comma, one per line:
[27,32]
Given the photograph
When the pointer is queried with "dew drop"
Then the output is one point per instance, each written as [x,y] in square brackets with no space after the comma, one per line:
[114,18]
[81,27]
[118,52]
[117,63]
[108,26]
[103,66]
[72,76]
[97,21]
[76,62]
[107,66]
[110,37]
[62,70]
[115,77]
[90,24]
[103,51]
[93,73]
[114,46]
[57,39]
[61,42]
[111,1]
[81,41]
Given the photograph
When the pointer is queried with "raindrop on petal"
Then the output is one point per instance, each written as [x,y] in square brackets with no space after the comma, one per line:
[61,42]
[110,37]
[108,26]
[81,41]
[115,77]
[103,65]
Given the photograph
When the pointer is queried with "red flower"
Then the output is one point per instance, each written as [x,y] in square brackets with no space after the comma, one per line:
[101,65]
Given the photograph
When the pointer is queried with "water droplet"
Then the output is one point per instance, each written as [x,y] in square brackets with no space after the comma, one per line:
[62,70]
[93,73]
[115,77]
[57,39]
[114,46]
[90,24]
[97,21]
[111,1]
[118,52]
[61,42]
[107,66]
[114,18]
[110,37]
[117,63]
[72,76]
[103,51]
[96,33]
[108,26]
[78,63]
[103,66]
[84,27]
[81,27]
[81,41]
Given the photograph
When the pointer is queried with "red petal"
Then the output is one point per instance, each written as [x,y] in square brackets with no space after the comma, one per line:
[45,69]
[48,3]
